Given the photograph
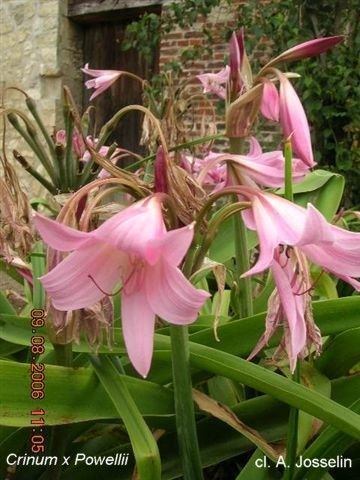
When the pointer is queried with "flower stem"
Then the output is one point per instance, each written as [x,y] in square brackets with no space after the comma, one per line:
[291,446]
[241,248]
[184,405]
[288,171]
[242,265]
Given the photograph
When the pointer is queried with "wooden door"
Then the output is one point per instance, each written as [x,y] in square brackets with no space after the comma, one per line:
[103,34]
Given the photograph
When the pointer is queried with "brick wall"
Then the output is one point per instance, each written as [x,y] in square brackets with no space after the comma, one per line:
[222,19]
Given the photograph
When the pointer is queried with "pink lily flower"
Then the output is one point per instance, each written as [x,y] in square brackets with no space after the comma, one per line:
[215,175]
[82,153]
[132,247]
[256,168]
[307,49]
[213,82]
[288,234]
[294,122]
[103,79]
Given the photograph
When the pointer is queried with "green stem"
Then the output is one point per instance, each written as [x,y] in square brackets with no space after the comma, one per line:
[184,405]
[288,171]
[293,424]
[60,160]
[291,446]
[190,260]
[33,110]
[45,183]
[63,354]
[70,166]
[241,248]
[242,265]
[34,144]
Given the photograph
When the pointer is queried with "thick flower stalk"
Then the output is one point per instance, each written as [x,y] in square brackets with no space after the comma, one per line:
[133,248]
[288,235]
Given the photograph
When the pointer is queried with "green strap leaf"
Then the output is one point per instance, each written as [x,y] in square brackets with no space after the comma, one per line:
[143,442]
[283,389]
[331,316]
[67,391]
[340,354]
[328,444]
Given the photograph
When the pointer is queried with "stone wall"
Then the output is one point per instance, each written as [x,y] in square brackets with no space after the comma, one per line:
[40,51]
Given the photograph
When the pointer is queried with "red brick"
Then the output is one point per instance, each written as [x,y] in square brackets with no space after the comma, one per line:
[194,35]
[182,43]
[174,36]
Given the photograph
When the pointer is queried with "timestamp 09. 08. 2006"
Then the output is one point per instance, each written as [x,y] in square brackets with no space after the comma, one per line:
[37,382]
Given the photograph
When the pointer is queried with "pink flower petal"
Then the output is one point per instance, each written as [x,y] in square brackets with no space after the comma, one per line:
[268,237]
[236,50]
[316,228]
[334,258]
[100,90]
[268,169]
[351,281]
[60,137]
[102,80]
[270,102]
[308,49]
[172,246]
[131,229]
[69,284]
[98,72]
[294,122]
[138,321]
[213,82]
[172,296]
[59,236]
[254,148]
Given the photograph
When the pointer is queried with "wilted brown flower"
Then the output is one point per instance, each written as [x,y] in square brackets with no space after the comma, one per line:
[16,236]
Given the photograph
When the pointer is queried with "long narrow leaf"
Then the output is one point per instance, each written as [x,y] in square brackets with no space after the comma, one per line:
[143,442]
[283,389]
[66,397]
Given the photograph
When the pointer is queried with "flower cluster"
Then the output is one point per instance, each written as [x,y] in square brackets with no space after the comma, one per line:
[136,252]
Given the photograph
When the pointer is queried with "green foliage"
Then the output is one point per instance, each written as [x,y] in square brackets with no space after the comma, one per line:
[144,35]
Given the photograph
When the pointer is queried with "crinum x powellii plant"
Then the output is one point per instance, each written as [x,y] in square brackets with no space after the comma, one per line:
[150,266]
